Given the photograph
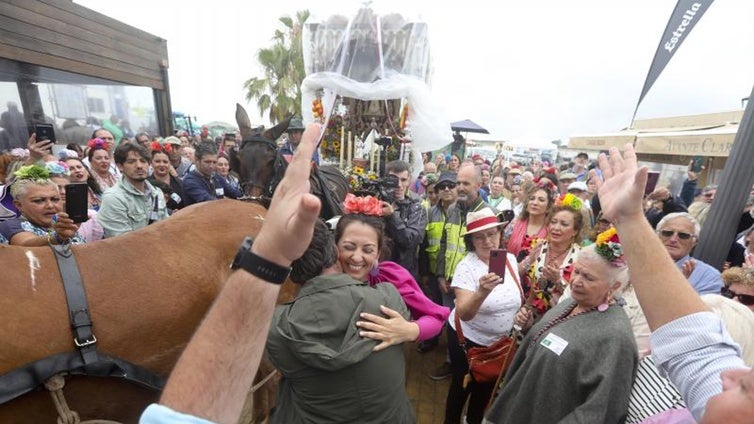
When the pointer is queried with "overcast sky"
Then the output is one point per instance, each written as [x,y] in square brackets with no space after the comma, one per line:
[529,72]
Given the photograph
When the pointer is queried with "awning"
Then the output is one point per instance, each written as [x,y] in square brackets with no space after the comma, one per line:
[601,141]
[715,142]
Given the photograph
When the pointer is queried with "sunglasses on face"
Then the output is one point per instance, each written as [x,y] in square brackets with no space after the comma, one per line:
[681,235]
[445,187]
[745,299]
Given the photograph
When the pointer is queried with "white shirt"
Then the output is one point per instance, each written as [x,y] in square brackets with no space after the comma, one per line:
[495,315]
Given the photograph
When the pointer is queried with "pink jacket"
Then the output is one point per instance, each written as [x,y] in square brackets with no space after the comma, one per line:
[428,315]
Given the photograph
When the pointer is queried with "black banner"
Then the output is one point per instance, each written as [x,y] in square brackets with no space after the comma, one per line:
[685,15]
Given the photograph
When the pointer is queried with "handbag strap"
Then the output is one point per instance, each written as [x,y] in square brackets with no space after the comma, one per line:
[459,331]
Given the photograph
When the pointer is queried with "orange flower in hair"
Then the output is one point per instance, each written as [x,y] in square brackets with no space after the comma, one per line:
[155,146]
[366,205]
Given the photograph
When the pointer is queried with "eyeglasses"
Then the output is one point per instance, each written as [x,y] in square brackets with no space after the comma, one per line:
[708,194]
[681,235]
[487,236]
[745,299]
[445,187]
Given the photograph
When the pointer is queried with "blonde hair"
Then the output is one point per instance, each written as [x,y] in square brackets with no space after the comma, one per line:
[739,275]
[738,320]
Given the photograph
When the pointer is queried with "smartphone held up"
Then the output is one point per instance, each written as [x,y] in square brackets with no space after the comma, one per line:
[498,261]
[76,202]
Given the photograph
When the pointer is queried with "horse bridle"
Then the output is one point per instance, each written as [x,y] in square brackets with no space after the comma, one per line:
[279,169]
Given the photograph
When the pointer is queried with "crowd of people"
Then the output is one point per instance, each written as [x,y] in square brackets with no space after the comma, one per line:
[600,281]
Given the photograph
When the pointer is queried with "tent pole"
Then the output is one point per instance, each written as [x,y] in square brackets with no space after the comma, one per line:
[719,230]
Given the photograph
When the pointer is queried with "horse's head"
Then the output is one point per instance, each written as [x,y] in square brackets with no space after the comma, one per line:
[258,164]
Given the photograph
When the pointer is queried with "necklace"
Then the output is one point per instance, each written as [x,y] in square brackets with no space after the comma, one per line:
[564,316]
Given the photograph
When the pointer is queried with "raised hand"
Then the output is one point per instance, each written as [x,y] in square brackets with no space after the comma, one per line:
[622,190]
[289,223]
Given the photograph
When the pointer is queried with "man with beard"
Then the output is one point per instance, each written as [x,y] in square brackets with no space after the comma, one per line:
[452,245]
[133,202]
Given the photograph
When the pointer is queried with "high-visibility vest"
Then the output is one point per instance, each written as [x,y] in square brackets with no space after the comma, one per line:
[435,224]
[455,228]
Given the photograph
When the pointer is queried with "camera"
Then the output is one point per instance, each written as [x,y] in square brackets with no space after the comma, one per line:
[381,188]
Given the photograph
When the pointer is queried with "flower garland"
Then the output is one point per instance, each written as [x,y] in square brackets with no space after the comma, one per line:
[358,177]
[571,201]
[34,173]
[609,247]
[366,205]
[98,144]
[156,147]
[57,168]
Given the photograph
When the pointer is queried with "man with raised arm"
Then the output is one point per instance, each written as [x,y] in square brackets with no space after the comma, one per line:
[688,342]
[214,373]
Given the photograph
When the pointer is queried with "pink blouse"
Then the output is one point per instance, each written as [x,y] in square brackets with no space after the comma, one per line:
[427,314]
[520,241]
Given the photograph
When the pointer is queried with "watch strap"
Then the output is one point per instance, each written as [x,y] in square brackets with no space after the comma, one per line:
[259,266]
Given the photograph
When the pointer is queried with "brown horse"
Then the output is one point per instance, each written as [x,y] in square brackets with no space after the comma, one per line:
[147,292]
[260,167]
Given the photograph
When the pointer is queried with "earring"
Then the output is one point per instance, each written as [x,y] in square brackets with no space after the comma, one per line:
[374,271]
[606,303]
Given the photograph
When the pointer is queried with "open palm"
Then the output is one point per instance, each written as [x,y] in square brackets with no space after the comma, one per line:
[622,190]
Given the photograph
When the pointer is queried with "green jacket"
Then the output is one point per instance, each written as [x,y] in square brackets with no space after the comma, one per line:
[452,246]
[435,224]
[330,373]
[125,209]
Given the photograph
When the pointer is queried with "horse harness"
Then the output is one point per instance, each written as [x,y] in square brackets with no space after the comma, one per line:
[85,360]
[279,167]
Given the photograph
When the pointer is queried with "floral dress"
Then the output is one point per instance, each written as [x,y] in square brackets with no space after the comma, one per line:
[540,290]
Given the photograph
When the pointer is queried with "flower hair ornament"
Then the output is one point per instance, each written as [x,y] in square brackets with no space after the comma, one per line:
[571,201]
[57,168]
[98,144]
[156,147]
[609,247]
[32,172]
[366,205]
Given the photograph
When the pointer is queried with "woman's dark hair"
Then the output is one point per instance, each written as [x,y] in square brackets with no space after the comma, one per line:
[90,152]
[372,221]
[90,181]
[321,254]
[533,189]
[578,220]
[166,189]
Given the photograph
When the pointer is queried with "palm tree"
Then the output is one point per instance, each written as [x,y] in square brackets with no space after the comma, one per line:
[278,92]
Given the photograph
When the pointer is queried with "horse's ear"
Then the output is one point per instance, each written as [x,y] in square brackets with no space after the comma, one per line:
[275,132]
[244,124]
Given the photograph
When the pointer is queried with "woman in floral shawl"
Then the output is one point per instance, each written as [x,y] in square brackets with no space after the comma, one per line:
[546,271]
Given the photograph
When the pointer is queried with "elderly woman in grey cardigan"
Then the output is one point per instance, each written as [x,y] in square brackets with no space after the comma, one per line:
[576,365]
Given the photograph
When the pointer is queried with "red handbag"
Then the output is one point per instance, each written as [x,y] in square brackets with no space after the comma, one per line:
[487,364]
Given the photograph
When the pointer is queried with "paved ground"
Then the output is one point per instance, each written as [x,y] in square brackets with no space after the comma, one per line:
[426,395]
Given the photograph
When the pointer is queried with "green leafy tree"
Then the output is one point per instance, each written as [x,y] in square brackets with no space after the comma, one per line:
[278,92]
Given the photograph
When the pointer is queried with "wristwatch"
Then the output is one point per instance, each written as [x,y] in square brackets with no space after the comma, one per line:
[257,265]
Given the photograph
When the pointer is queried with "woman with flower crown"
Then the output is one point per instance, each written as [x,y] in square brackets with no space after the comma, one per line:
[42,221]
[163,172]
[577,363]
[547,269]
[99,162]
[359,236]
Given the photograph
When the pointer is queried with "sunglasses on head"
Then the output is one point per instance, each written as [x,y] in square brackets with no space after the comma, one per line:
[670,233]
[745,299]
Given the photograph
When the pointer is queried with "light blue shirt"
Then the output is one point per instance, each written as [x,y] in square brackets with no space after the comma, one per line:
[705,279]
[159,414]
[693,350]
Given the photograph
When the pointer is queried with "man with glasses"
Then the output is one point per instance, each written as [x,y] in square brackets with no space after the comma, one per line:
[679,233]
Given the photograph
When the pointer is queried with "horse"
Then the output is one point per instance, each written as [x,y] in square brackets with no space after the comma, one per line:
[147,292]
[260,167]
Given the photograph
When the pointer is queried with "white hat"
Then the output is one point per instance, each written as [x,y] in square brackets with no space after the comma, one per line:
[481,220]
[577,185]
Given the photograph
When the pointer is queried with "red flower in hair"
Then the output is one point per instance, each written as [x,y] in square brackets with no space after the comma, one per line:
[367,205]
[155,146]
[98,144]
